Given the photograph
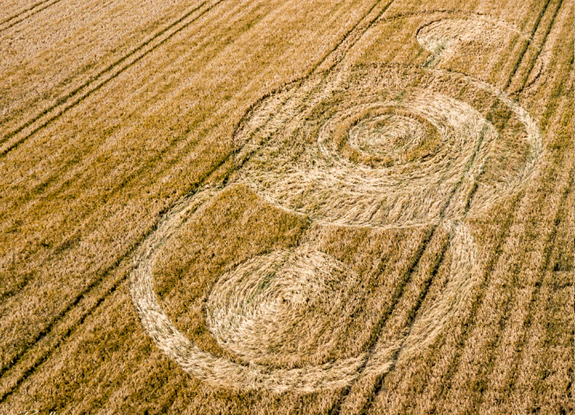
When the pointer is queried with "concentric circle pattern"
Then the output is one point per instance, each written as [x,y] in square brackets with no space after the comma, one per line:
[392,146]
[387,139]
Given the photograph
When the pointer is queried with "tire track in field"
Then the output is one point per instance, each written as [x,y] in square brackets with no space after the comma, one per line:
[526,46]
[504,318]
[488,366]
[70,237]
[94,285]
[528,73]
[381,379]
[26,13]
[533,63]
[477,301]
[86,293]
[470,323]
[407,278]
[480,290]
[97,282]
[528,320]
[548,251]
[18,136]
[400,288]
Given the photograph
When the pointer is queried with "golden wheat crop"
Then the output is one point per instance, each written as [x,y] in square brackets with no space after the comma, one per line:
[268,207]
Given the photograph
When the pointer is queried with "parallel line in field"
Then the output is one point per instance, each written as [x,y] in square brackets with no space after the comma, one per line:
[374,337]
[380,381]
[80,93]
[498,251]
[478,300]
[528,321]
[540,49]
[470,321]
[26,13]
[13,292]
[44,184]
[518,63]
[86,293]
[99,281]
[70,236]
[130,249]
[503,320]
[105,272]
[527,44]
[488,366]
[116,263]
[12,385]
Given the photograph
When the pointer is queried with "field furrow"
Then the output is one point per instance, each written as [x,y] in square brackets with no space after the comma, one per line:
[22,15]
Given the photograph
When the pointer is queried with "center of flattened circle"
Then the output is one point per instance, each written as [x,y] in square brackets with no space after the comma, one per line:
[387,134]
[387,139]
[281,309]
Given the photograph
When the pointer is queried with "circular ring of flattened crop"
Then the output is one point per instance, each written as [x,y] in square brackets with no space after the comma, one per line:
[382,147]
[395,146]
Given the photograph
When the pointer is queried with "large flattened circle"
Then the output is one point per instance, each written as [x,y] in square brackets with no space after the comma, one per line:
[393,146]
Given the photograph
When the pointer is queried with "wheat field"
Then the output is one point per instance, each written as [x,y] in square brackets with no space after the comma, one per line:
[286,207]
